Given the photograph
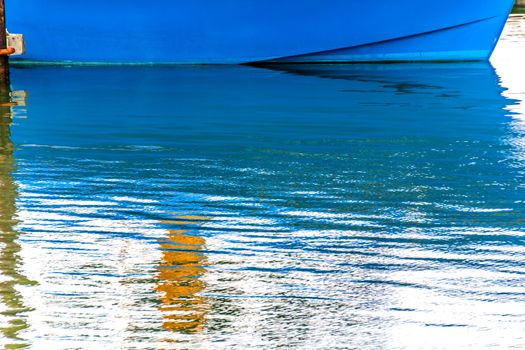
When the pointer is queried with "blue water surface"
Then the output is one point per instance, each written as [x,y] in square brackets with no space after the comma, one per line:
[285,207]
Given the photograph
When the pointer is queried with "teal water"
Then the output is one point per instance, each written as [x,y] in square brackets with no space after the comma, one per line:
[295,207]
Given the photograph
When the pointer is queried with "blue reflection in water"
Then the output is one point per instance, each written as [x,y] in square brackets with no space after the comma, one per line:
[302,206]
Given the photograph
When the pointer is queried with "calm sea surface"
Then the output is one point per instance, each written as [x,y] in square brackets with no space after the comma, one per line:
[299,207]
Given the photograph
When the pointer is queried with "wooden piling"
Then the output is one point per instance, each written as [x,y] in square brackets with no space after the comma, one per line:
[4,59]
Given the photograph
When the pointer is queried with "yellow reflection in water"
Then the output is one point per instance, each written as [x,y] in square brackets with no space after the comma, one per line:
[179,278]
[13,319]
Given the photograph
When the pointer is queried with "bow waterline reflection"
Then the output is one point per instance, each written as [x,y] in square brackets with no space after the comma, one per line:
[316,207]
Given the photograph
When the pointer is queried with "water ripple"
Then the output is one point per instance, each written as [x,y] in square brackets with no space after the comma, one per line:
[326,207]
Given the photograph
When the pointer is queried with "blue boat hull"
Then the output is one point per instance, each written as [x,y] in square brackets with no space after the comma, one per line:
[246,31]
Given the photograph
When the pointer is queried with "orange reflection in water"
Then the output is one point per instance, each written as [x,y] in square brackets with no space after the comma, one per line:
[179,278]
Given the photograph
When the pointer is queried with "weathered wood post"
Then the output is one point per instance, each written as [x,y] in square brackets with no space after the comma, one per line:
[5,109]
[4,59]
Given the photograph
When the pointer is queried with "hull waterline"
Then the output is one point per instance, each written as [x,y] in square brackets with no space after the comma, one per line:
[247,31]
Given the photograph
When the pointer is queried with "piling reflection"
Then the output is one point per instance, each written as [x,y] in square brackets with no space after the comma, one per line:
[13,318]
[179,278]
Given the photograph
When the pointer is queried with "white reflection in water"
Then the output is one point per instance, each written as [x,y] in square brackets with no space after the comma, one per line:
[509,62]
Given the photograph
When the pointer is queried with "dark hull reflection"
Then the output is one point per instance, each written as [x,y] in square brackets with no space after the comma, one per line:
[430,80]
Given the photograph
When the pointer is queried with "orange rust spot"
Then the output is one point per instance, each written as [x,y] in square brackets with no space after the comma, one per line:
[8,51]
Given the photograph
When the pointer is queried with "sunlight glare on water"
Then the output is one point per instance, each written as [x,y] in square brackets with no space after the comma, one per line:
[296,207]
